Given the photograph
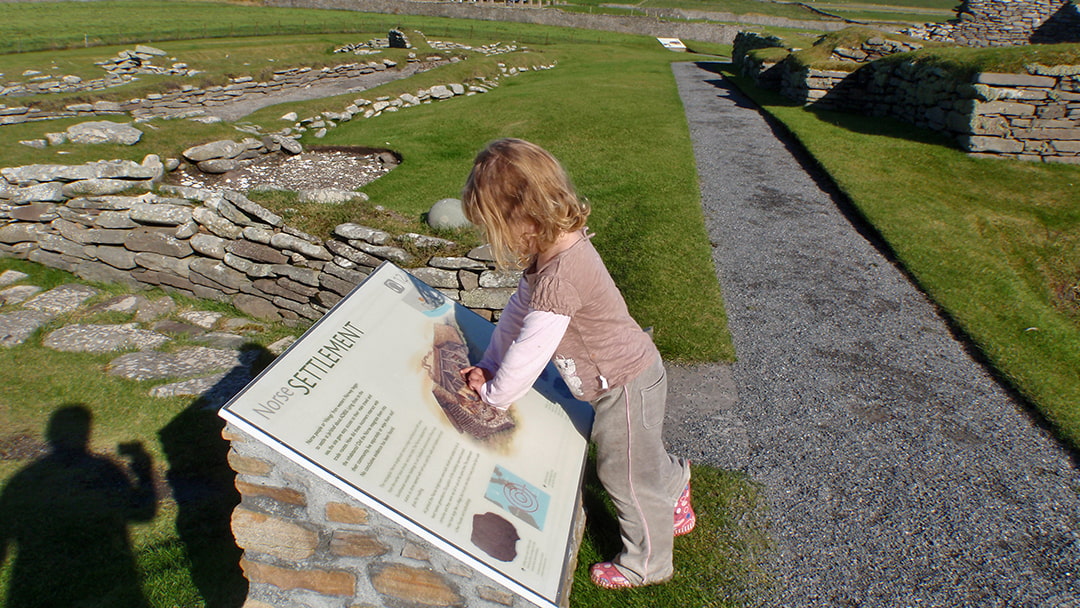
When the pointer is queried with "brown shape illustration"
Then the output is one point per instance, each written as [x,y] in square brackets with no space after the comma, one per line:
[495,536]
[449,355]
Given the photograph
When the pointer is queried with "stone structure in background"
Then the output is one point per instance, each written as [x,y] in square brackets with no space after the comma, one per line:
[396,40]
[983,23]
[1030,116]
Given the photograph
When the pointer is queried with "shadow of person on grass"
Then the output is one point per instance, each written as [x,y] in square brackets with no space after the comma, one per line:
[203,485]
[66,516]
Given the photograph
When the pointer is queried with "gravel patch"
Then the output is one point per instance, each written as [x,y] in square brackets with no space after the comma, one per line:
[314,169]
[898,471]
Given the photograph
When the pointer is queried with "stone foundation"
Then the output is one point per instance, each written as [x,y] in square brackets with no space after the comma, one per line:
[215,245]
[1032,116]
[306,543]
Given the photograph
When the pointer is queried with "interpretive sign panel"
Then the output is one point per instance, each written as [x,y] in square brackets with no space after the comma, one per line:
[371,400]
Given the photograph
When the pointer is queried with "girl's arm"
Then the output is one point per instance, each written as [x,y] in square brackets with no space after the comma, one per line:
[508,328]
[524,358]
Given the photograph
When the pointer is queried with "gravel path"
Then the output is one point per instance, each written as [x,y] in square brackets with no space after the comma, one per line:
[899,473]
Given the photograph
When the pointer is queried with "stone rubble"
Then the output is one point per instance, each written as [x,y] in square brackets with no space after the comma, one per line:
[121,69]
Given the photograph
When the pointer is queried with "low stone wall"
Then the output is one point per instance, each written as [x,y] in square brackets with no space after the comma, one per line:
[306,543]
[215,245]
[188,101]
[1033,116]
[985,23]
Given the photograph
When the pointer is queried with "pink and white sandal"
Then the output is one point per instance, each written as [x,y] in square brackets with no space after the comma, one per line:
[685,518]
[606,575]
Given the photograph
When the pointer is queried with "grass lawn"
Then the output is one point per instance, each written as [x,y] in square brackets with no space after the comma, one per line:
[609,111]
[995,243]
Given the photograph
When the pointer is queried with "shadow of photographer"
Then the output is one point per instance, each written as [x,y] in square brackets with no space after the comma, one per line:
[66,516]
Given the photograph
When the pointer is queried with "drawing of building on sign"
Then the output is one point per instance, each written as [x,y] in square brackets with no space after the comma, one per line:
[449,354]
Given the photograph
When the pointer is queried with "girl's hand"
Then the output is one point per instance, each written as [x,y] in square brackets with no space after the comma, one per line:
[475,377]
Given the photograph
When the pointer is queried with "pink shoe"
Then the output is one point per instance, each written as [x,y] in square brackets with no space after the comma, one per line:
[606,575]
[685,518]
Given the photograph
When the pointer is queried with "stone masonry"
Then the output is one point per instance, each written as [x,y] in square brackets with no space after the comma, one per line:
[306,543]
[214,245]
[189,100]
[983,23]
[1029,116]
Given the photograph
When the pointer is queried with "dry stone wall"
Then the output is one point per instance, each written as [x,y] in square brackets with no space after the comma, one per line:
[1032,116]
[215,245]
[984,23]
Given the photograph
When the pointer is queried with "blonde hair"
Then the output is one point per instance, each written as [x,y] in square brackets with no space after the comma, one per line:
[513,186]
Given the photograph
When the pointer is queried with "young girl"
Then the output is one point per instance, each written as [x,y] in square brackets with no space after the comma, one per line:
[568,310]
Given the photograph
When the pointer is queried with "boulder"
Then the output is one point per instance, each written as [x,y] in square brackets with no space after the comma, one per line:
[447,214]
[103,132]
[397,40]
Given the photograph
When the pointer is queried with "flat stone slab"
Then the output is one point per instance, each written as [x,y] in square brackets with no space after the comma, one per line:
[11,276]
[222,339]
[155,309]
[102,338]
[62,299]
[125,304]
[203,318]
[17,326]
[215,390]
[18,293]
[152,365]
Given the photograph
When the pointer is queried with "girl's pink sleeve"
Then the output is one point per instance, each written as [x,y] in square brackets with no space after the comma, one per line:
[508,328]
[525,357]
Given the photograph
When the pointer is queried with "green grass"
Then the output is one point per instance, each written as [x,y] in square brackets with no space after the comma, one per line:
[175,545]
[995,243]
[181,551]
[717,565]
[609,112]
[628,153]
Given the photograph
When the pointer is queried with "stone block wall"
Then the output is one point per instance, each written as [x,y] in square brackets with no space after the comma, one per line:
[1033,116]
[1006,23]
[221,246]
[306,543]
[984,23]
